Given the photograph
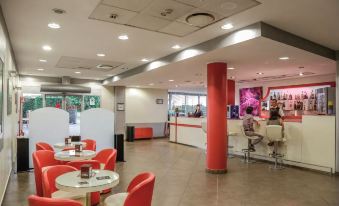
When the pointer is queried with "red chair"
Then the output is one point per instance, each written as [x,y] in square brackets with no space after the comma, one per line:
[90,144]
[41,160]
[43,146]
[95,196]
[34,200]
[139,192]
[107,159]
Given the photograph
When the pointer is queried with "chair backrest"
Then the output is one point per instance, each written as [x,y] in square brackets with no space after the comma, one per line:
[42,158]
[140,190]
[43,146]
[77,164]
[49,176]
[107,157]
[274,132]
[90,144]
[34,200]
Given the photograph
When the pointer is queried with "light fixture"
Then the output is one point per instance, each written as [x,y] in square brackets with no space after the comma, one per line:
[123,37]
[77,72]
[301,74]
[137,86]
[40,69]
[151,84]
[176,86]
[54,25]
[171,80]
[46,47]
[260,73]
[284,58]
[42,60]
[144,60]
[232,77]
[101,55]
[230,68]
[176,46]
[227,26]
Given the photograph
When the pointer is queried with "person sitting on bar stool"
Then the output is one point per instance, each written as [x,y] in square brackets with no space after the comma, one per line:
[248,124]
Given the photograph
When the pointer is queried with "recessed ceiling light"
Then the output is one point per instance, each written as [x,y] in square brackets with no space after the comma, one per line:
[42,60]
[260,73]
[232,77]
[227,26]
[123,37]
[151,84]
[54,25]
[40,69]
[46,47]
[171,80]
[301,74]
[77,72]
[101,55]
[176,86]
[176,46]
[144,60]
[284,58]
[230,68]
[137,86]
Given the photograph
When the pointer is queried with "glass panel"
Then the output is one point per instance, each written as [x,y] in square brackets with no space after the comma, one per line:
[91,102]
[54,101]
[203,103]
[73,107]
[191,102]
[177,101]
[31,103]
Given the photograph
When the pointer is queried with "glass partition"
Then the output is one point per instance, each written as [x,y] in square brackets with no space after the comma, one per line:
[185,103]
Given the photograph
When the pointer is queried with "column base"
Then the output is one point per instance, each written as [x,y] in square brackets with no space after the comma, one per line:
[216,171]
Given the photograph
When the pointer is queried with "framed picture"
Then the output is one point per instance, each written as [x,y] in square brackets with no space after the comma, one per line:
[1,102]
[159,101]
[120,107]
[9,96]
[250,97]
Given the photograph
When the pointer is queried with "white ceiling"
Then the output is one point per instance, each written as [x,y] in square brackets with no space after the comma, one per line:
[82,37]
[248,58]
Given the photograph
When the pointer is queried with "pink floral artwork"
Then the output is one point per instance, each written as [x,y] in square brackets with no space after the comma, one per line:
[250,97]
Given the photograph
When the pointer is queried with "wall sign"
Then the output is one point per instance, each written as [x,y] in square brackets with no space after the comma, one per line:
[120,107]
[159,101]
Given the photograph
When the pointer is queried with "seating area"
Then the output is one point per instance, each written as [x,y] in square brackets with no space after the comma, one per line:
[53,186]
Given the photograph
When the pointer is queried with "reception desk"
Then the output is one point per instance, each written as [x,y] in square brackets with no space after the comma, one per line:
[310,143]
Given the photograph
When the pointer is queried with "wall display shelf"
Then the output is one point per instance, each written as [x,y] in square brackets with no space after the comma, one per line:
[298,100]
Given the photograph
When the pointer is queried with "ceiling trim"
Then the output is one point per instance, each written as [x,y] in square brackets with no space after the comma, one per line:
[259,29]
[285,37]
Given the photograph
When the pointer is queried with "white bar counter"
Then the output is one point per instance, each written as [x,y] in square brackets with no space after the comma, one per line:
[309,143]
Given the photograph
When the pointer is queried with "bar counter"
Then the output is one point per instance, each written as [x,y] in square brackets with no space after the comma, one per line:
[310,143]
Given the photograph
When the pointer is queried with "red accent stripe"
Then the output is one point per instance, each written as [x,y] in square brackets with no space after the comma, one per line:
[186,125]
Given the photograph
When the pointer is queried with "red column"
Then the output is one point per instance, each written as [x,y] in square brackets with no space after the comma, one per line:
[216,118]
[230,92]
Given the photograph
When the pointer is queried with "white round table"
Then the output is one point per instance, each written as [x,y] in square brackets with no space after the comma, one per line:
[70,155]
[72,182]
[72,145]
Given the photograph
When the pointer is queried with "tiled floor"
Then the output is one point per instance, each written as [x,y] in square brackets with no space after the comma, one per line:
[181,180]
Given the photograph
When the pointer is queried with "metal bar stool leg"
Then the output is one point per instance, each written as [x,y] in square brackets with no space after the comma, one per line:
[276,157]
[247,153]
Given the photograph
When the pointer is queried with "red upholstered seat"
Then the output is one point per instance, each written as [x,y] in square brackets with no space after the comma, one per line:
[90,144]
[43,146]
[34,200]
[41,159]
[139,192]
[107,158]
[143,133]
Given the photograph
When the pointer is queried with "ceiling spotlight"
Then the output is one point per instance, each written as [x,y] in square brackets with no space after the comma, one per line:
[151,84]
[137,86]
[123,37]
[144,60]
[260,73]
[176,46]
[230,68]
[42,60]
[284,58]
[171,80]
[54,25]
[176,86]
[232,77]
[77,72]
[227,26]
[40,69]
[101,55]
[301,74]
[46,48]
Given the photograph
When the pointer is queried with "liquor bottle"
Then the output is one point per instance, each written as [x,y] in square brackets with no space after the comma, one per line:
[278,96]
[290,97]
[312,95]
[274,96]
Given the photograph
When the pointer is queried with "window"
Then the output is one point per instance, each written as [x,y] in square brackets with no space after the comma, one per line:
[91,102]
[191,102]
[186,103]
[31,103]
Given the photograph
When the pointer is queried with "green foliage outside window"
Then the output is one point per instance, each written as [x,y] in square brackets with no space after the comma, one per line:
[52,101]
[91,102]
[31,104]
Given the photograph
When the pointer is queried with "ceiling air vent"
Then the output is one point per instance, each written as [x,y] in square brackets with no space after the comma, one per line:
[200,19]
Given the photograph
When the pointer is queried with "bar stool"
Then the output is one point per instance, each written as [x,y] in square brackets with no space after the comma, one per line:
[247,151]
[274,134]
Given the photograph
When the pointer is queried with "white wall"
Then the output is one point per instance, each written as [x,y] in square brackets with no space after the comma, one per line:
[10,121]
[141,105]
[265,85]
